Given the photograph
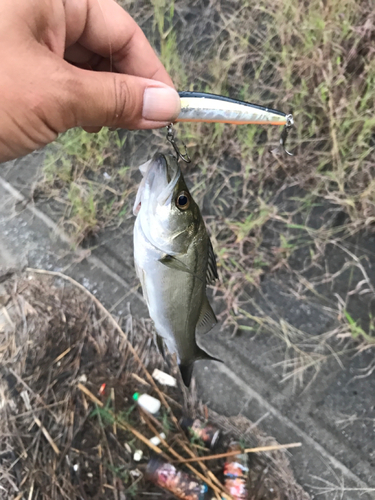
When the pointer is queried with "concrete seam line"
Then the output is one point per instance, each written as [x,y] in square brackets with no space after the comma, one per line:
[302,435]
[95,261]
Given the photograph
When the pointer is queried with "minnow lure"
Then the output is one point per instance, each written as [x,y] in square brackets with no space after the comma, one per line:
[202,107]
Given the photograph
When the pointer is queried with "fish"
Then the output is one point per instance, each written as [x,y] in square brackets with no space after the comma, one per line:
[174,261]
[203,107]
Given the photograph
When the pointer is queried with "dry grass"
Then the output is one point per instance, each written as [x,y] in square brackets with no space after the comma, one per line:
[61,439]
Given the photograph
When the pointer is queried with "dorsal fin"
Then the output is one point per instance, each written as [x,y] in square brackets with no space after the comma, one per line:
[207,319]
[211,275]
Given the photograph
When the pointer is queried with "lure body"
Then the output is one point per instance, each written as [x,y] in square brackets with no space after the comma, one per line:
[202,107]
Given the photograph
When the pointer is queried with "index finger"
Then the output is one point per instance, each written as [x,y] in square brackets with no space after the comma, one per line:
[108,30]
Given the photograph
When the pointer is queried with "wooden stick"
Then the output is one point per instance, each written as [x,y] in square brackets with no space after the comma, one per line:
[247,450]
[62,355]
[201,464]
[47,435]
[25,396]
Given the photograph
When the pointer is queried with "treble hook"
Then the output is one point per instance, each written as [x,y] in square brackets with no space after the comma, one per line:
[171,137]
[284,135]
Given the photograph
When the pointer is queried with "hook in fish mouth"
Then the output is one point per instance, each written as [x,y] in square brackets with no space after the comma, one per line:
[171,137]
[160,176]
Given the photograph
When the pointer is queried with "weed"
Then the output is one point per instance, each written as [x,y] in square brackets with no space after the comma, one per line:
[252,222]
[83,211]
[95,192]
[356,331]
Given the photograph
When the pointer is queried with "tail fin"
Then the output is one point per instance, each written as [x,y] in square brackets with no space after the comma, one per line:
[187,369]
[186,373]
[201,354]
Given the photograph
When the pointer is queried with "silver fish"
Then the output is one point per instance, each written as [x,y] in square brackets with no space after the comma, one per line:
[174,261]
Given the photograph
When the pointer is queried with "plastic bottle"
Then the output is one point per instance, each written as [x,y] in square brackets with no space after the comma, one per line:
[164,378]
[138,454]
[236,473]
[205,431]
[183,485]
[147,402]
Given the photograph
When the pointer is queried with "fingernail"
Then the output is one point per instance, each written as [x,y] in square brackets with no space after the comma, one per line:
[161,105]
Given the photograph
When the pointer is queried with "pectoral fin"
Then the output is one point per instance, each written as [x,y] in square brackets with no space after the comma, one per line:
[207,319]
[142,278]
[174,263]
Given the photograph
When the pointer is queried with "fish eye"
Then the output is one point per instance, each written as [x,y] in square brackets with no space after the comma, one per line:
[183,200]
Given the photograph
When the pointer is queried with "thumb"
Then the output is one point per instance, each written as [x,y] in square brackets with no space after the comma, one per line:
[116,100]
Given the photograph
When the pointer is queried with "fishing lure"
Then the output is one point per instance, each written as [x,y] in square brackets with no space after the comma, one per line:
[201,107]
[211,108]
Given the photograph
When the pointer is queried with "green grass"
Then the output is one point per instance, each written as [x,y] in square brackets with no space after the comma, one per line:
[83,171]
[357,331]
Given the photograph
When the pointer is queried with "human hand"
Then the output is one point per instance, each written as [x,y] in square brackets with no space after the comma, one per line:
[42,94]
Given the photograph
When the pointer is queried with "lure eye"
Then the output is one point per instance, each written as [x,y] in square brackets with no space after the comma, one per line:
[183,200]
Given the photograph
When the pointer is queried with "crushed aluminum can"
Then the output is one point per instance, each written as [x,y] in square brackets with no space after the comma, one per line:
[183,485]
[236,473]
[207,432]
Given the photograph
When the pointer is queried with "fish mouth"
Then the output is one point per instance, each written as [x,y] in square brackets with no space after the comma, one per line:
[160,176]
[169,171]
